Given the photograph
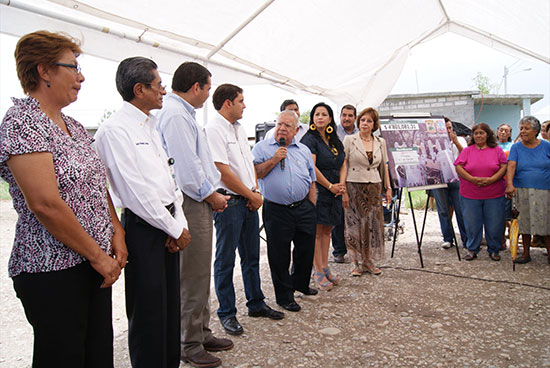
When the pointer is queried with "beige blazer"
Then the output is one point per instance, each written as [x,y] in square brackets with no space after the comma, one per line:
[359,168]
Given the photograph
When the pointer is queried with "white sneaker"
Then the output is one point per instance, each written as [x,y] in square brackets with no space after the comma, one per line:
[446,245]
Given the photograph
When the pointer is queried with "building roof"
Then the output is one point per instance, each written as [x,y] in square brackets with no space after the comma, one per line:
[510,99]
[506,99]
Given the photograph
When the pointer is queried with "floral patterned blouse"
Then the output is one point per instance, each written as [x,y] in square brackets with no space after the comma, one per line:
[81,180]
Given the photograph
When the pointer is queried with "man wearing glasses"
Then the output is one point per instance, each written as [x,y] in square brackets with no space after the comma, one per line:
[140,174]
[286,175]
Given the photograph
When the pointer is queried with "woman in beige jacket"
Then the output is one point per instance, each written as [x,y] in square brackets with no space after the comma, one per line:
[367,177]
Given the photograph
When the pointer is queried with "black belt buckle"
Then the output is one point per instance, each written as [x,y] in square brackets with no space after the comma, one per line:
[171,208]
[225,192]
[295,204]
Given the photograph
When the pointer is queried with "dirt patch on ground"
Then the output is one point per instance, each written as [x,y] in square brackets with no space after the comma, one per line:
[449,314]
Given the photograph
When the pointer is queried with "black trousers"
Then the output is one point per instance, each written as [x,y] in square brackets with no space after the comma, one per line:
[284,225]
[152,296]
[70,315]
[338,242]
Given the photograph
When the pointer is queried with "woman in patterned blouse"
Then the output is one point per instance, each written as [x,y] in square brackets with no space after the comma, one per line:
[69,245]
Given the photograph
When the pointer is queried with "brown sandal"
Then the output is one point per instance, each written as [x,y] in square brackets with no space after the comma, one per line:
[372,269]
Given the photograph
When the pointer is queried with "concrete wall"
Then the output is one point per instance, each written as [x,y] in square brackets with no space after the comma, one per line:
[494,115]
[457,107]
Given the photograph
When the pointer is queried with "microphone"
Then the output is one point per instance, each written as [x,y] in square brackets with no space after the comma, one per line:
[282,144]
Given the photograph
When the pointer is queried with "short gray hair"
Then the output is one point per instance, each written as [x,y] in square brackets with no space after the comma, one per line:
[289,113]
[535,123]
[131,71]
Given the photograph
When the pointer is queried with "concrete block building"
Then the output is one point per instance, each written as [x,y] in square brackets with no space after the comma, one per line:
[466,107]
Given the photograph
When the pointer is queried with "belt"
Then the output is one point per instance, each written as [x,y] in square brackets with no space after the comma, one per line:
[171,208]
[233,196]
[292,205]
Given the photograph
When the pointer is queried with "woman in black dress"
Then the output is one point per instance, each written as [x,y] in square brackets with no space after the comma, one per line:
[328,155]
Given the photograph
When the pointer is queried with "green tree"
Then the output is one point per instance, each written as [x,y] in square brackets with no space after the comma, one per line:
[483,83]
[106,115]
[304,117]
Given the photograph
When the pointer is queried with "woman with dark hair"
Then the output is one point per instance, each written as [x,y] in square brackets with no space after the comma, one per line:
[481,167]
[328,156]
[528,178]
[67,230]
[366,178]
[504,136]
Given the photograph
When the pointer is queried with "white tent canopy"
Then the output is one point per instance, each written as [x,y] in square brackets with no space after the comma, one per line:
[351,51]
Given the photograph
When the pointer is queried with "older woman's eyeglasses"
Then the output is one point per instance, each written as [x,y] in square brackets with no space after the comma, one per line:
[76,67]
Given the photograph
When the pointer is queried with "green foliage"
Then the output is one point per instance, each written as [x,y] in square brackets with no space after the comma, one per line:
[4,192]
[106,115]
[419,198]
[483,83]
[304,117]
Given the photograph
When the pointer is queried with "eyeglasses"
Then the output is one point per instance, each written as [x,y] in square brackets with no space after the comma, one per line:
[76,67]
[160,86]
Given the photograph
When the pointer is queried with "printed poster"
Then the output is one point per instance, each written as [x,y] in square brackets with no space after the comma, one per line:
[419,151]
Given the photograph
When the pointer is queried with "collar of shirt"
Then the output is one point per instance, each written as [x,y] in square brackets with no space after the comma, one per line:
[136,116]
[181,100]
[341,129]
[272,140]
[220,117]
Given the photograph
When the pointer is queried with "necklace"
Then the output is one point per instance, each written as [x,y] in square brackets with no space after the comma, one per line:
[366,139]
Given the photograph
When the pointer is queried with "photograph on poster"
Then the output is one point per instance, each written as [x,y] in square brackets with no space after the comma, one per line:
[419,152]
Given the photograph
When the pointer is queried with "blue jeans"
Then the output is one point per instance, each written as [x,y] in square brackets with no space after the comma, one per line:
[445,197]
[484,213]
[237,228]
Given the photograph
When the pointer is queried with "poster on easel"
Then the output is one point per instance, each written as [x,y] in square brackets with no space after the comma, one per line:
[419,152]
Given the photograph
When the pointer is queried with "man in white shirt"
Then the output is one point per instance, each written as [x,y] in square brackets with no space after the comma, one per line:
[238,226]
[347,126]
[292,106]
[141,180]
[198,178]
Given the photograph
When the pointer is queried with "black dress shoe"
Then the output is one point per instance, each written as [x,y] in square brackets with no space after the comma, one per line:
[266,311]
[309,291]
[232,326]
[292,306]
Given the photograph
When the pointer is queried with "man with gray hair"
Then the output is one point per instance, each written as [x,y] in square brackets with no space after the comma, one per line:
[141,180]
[286,175]
[290,105]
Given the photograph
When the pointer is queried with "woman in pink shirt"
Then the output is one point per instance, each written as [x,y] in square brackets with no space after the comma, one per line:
[481,167]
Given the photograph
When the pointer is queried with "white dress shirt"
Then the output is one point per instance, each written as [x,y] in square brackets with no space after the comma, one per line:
[138,170]
[229,145]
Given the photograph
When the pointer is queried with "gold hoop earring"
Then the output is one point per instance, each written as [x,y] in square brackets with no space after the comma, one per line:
[329,130]
[312,127]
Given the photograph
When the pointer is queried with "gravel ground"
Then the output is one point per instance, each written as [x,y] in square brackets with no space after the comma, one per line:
[449,314]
